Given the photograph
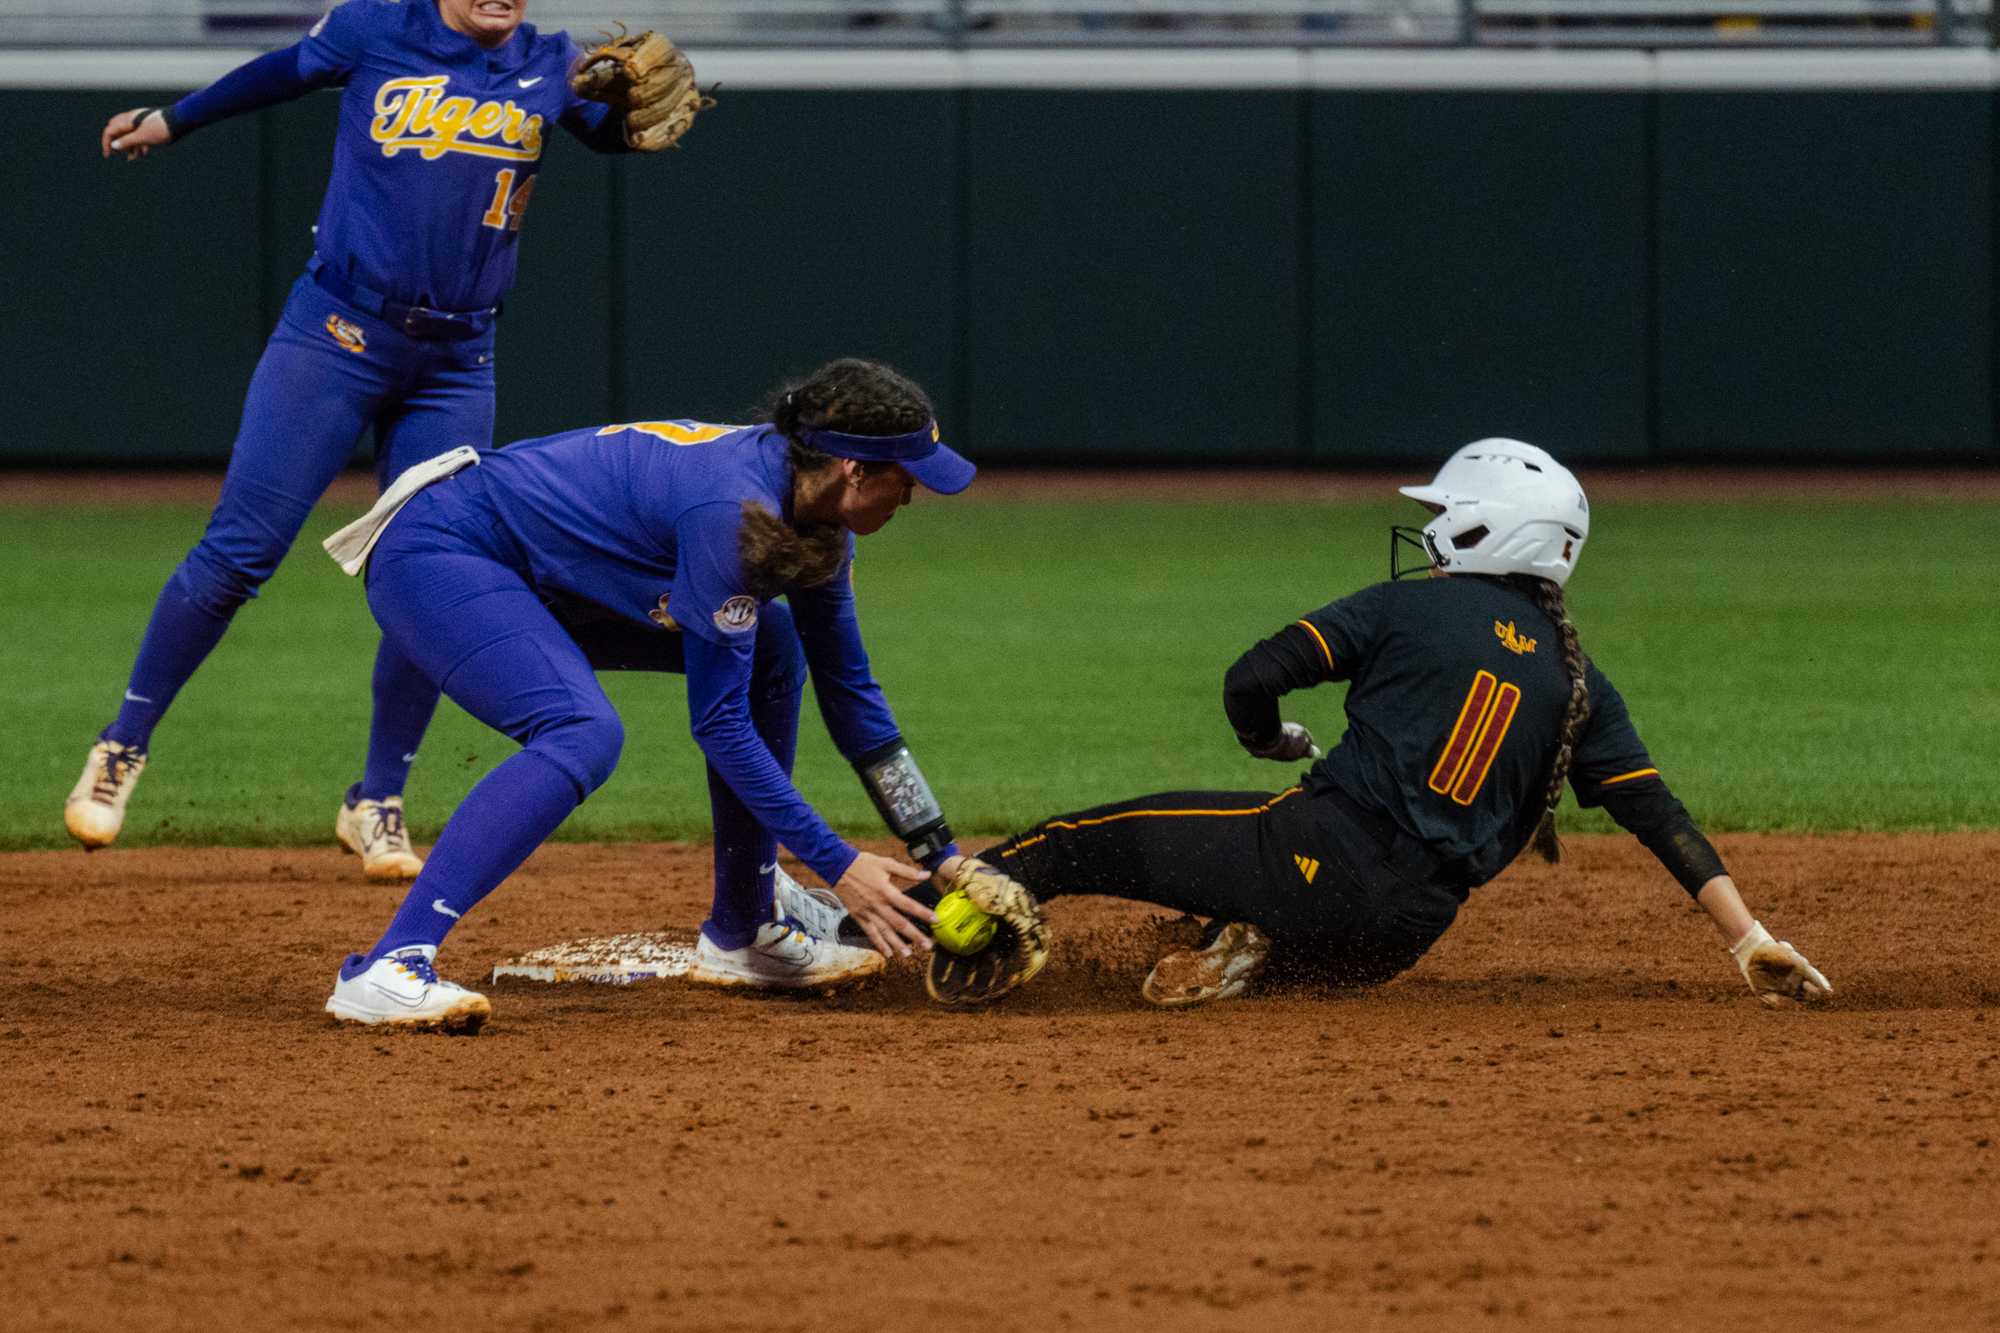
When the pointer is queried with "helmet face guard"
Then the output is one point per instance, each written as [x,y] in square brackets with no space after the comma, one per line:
[1401,536]
[1498,507]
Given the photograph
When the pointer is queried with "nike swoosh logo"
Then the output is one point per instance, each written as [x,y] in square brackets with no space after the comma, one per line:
[765,870]
[137,698]
[529,83]
[437,905]
[407,1004]
[410,758]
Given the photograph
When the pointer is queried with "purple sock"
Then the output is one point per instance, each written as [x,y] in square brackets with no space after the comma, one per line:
[178,639]
[405,699]
[511,812]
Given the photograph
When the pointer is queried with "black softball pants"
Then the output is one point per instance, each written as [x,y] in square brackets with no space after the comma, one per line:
[1340,899]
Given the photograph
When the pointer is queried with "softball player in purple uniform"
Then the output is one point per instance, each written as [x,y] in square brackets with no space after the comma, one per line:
[660,545]
[1469,704]
[446,109]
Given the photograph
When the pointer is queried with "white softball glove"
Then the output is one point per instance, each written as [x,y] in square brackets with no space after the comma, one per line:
[1292,743]
[1778,974]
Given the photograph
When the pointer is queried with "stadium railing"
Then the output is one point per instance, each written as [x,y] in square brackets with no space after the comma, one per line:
[976,23]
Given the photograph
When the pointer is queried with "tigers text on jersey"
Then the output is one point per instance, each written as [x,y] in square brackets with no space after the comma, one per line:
[1455,713]
[439,147]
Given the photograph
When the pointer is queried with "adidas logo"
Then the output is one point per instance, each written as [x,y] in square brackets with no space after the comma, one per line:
[1307,866]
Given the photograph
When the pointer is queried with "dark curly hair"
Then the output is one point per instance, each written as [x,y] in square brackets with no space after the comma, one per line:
[850,395]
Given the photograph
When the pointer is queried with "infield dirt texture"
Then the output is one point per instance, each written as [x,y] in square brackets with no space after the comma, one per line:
[1571,1114]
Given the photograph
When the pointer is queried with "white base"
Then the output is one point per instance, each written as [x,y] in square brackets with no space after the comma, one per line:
[608,960]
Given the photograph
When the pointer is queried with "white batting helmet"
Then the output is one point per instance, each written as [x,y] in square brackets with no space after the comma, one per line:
[1504,507]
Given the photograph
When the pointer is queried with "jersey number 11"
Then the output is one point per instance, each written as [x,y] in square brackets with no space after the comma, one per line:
[1475,738]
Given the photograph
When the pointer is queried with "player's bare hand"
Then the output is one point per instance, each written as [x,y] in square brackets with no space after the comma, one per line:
[872,889]
[1292,743]
[134,133]
[1778,974]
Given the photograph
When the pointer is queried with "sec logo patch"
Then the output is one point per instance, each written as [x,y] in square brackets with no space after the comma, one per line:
[347,334]
[736,615]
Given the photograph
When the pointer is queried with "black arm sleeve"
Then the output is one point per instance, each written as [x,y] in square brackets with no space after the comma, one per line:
[1611,768]
[1652,814]
[1291,659]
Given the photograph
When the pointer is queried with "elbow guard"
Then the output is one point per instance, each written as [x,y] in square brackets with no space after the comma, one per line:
[902,797]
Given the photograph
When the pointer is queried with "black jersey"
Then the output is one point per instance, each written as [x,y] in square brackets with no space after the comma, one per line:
[1454,714]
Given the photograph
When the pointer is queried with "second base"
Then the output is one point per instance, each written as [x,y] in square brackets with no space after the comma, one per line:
[608,960]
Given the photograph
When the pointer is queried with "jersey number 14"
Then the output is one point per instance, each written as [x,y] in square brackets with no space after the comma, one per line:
[508,203]
[1482,724]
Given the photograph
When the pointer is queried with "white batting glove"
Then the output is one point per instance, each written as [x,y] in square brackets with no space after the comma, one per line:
[1293,743]
[1778,974]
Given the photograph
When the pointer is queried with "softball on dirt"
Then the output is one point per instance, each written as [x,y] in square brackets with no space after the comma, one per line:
[960,927]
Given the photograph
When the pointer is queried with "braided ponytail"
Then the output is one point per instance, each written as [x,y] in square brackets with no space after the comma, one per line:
[1549,596]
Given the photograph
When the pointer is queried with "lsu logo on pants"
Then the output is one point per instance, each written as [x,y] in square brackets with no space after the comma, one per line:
[347,334]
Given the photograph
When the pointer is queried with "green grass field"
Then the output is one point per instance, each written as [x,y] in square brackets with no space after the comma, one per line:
[1802,665]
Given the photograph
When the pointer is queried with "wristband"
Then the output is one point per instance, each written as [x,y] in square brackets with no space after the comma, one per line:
[904,800]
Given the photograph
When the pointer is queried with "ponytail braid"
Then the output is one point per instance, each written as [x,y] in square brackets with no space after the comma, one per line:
[1549,596]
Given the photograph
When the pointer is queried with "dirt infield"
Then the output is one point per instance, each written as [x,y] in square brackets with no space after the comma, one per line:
[1571,1114]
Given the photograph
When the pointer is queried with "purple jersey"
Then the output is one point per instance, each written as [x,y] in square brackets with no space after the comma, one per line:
[439,147]
[643,520]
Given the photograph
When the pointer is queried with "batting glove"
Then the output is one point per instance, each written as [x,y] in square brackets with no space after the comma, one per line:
[1778,974]
[1292,743]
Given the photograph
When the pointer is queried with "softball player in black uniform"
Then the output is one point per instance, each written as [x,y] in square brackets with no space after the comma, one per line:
[1469,705]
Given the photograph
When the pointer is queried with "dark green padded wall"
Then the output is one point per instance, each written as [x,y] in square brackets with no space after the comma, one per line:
[1479,267]
[789,228]
[130,328]
[1328,277]
[1132,274]
[1825,274]
[556,365]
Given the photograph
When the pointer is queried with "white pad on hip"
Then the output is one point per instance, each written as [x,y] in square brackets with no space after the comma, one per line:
[350,546]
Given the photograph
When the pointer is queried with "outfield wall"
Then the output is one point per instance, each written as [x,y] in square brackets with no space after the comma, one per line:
[1325,257]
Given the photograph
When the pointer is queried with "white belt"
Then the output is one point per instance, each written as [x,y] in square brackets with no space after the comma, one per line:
[350,546]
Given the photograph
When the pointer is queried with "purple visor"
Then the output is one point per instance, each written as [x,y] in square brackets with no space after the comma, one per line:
[936,465]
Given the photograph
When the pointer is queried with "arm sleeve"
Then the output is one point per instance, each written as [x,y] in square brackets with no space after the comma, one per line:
[851,702]
[1323,645]
[718,685]
[596,125]
[710,598]
[1610,768]
[269,79]
[856,713]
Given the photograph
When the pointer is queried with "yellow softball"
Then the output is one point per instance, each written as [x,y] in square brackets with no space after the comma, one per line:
[961,927]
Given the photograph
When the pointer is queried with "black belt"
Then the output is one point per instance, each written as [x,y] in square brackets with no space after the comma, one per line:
[414,321]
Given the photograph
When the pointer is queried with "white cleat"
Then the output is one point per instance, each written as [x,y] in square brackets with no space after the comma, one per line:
[373,831]
[95,810]
[818,912]
[403,990]
[783,957]
[1221,969]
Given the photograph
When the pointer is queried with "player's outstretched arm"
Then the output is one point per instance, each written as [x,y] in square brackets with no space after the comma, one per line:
[276,76]
[135,133]
[1778,974]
